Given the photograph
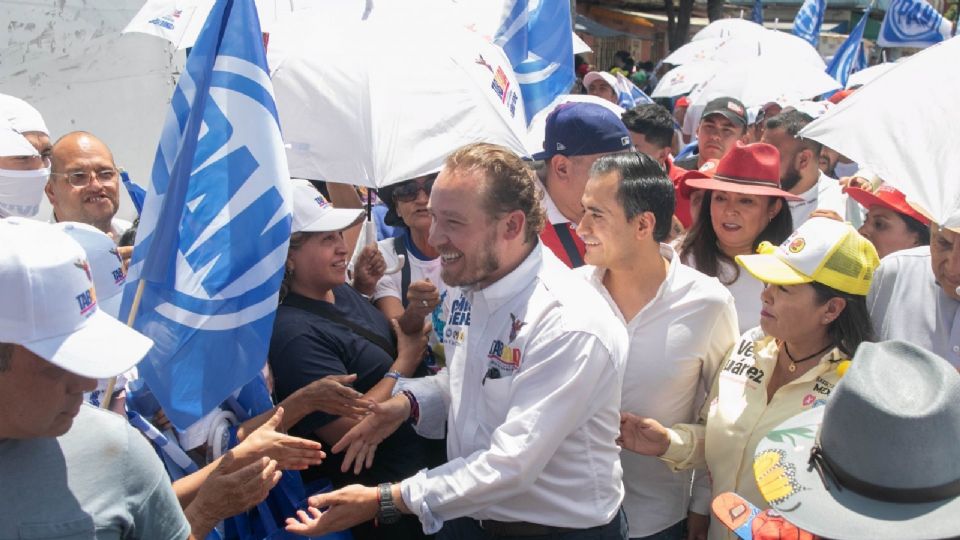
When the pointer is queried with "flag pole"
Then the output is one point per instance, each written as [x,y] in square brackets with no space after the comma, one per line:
[130,320]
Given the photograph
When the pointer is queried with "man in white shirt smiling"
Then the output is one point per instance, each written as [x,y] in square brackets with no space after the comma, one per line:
[680,324]
[531,392]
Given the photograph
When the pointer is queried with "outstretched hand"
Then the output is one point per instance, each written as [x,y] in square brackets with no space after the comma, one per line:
[643,435]
[290,453]
[332,395]
[231,489]
[361,441]
[344,508]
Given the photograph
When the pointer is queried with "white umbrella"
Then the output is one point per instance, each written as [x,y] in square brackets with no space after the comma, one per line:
[385,99]
[180,21]
[695,51]
[864,76]
[772,44]
[538,124]
[725,28]
[579,45]
[903,127]
[686,78]
[761,80]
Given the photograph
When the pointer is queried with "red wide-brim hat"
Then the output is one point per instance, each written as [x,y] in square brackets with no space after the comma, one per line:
[752,169]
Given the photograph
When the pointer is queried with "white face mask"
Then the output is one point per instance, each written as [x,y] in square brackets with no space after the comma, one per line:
[845,169]
[21,192]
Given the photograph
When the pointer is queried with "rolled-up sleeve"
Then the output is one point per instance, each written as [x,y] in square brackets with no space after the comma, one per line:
[573,377]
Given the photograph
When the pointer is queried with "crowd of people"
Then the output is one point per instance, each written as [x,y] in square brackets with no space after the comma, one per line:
[598,343]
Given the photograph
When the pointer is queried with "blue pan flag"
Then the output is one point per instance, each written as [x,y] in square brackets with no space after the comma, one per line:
[538,39]
[215,225]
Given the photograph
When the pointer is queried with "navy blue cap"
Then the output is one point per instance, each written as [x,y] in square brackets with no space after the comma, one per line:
[580,129]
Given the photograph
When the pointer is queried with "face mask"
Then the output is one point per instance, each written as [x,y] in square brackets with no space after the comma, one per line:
[21,192]
[845,169]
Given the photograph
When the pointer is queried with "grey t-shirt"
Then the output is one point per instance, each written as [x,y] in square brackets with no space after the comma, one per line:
[101,480]
[906,303]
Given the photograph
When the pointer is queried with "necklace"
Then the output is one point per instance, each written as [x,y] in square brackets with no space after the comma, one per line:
[793,361]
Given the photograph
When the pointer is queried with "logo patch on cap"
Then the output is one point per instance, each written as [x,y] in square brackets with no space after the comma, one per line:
[560,146]
[797,245]
[735,108]
[625,141]
[321,202]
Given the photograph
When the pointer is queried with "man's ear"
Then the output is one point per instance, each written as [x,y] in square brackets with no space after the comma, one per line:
[513,224]
[48,189]
[804,157]
[561,167]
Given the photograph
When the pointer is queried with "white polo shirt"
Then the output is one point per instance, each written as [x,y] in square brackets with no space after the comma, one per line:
[677,342]
[906,303]
[531,398]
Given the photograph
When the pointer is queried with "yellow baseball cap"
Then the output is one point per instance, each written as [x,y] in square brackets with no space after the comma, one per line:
[822,250]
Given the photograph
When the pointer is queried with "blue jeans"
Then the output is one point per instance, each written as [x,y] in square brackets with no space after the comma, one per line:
[678,531]
[469,529]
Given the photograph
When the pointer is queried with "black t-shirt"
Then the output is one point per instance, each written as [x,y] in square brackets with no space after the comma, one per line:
[307,346]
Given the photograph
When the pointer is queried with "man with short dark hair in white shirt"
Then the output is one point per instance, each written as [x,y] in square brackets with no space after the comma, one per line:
[680,323]
[530,395]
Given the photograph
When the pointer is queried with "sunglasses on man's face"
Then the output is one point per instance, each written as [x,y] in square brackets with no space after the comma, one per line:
[408,192]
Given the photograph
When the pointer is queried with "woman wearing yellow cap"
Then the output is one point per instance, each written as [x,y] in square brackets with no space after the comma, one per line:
[814,316]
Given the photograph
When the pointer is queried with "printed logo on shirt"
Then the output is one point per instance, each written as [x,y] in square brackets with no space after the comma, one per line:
[460,312]
[823,386]
[515,326]
[741,364]
[503,361]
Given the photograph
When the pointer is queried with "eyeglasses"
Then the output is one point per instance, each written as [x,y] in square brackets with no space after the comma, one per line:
[82,178]
[409,191]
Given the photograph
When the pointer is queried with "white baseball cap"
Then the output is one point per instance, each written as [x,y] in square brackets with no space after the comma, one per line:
[50,304]
[312,212]
[105,264]
[608,78]
[12,143]
[21,115]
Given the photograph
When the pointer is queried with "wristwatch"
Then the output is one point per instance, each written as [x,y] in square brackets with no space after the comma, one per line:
[388,513]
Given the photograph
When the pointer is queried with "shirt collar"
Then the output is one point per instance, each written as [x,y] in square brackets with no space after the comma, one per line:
[507,288]
[668,253]
[553,213]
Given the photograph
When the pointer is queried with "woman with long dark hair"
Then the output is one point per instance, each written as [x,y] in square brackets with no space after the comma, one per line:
[742,206]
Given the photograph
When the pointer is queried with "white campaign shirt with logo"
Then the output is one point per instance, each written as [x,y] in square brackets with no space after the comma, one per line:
[677,342]
[531,398]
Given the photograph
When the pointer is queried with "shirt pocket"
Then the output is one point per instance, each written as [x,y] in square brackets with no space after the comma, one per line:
[496,400]
[79,528]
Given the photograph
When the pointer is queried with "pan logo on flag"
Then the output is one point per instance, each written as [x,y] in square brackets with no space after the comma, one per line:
[913,21]
[231,196]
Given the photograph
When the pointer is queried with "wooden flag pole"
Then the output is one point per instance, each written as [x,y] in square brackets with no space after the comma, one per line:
[130,319]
